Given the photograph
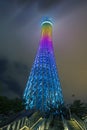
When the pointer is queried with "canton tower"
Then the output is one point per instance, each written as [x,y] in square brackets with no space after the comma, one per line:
[43,88]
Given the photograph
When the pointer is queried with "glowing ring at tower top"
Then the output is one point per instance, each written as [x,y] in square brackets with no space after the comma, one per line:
[44,22]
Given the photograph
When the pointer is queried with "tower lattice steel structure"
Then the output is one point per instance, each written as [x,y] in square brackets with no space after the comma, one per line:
[43,87]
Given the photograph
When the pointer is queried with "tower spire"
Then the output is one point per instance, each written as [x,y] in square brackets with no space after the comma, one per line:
[46,29]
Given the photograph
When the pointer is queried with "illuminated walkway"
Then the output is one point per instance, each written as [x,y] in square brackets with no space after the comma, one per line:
[37,122]
[73,125]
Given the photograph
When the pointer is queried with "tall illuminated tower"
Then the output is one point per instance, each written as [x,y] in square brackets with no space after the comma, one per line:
[43,87]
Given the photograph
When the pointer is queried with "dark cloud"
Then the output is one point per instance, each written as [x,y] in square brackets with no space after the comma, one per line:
[42,4]
[3,65]
[11,85]
[14,86]
[11,75]
[46,4]
[20,68]
[28,2]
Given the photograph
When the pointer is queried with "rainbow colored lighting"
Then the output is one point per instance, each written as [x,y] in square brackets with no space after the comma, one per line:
[43,88]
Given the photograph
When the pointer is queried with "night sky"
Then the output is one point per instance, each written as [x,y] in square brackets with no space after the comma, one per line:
[20,32]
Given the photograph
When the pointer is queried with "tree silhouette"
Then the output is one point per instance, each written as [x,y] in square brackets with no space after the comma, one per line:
[79,108]
[10,106]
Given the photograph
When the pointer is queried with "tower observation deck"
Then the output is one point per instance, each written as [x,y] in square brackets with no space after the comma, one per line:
[43,88]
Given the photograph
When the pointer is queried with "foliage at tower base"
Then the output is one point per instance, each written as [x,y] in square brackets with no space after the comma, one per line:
[79,108]
[10,106]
